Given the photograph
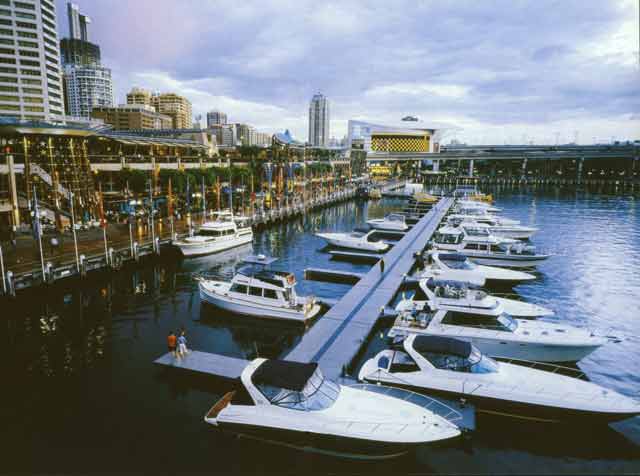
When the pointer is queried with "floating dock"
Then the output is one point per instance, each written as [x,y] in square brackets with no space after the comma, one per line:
[205,363]
[337,337]
[332,276]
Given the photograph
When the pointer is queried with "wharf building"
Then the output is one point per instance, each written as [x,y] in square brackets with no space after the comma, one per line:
[319,132]
[30,79]
[132,116]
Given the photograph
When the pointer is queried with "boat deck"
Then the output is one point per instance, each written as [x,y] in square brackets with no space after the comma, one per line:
[205,363]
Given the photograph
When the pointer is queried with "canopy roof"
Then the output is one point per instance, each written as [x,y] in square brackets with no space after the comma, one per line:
[442,345]
[259,259]
[452,257]
[284,374]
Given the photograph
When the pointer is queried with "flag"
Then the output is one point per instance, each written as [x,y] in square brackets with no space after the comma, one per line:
[170,199]
[37,227]
[103,220]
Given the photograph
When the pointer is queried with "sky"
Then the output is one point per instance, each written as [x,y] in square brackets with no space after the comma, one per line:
[488,72]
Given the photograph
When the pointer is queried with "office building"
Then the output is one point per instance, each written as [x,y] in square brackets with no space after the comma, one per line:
[176,106]
[87,84]
[132,116]
[139,96]
[319,121]
[216,118]
[30,82]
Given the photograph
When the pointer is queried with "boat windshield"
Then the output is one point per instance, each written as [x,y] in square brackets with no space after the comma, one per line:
[481,364]
[458,264]
[318,394]
[357,234]
[476,231]
[508,322]
[517,248]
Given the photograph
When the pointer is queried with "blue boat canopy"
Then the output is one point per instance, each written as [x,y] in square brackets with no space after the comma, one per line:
[285,374]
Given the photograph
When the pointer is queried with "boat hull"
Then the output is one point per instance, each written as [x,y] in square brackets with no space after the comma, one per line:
[326,444]
[201,249]
[507,261]
[501,407]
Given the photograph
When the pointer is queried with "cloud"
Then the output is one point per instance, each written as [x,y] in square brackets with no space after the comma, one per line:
[491,68]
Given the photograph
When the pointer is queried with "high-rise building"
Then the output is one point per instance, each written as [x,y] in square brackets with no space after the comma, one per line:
[132,116]
[30,84]
[87,84]
[319,121]
[216,118]
[139,96]
[176,106]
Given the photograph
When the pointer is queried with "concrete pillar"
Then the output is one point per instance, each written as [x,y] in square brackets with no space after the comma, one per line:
[15,208]
[471,168]
[580,164]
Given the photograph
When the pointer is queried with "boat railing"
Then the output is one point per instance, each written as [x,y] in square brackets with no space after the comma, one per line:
[428,403]
[548,367]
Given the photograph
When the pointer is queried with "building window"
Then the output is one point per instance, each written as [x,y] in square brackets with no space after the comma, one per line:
[8,89]
[6,3]
[31,81]
[4,31]
[7,51]
[32,91]
[33,54]
[27,34]
[26,6]
[8,70]
[24,62]
[29,16]
[5,22]
[5,13]
[34,109]
[30,72]
[23,24]
[9,98]
[8,107]
[30,44]
[8,60]
[6,41]
[32,100]
[7,79]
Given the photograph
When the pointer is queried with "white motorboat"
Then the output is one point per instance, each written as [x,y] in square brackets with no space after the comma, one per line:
[220,234]
[459,296]
[498,334]
[260,292]
[457,267]
[458,369]
[482,214]
[356,240]
[293,404]
[516,232]
[476,205]
[391,222]
[481,246]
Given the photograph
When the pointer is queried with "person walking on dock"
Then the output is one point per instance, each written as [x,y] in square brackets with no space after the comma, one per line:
[382,266]
[171,342]
[182,344]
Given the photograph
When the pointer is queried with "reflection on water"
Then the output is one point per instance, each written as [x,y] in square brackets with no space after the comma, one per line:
[80,390]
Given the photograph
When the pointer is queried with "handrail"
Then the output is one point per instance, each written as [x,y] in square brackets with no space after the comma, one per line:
[533,364]
[441,409]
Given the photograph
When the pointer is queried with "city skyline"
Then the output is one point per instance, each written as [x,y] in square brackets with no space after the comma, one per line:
[485,71]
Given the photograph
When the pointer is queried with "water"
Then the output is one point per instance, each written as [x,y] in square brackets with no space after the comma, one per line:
[80,393]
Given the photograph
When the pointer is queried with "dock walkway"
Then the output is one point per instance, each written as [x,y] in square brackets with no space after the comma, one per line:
[336,338]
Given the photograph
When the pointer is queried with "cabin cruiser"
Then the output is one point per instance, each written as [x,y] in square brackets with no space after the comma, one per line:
[356,240]
[212,236]
[458,369]
[516,232]
[481,213]
[498,334]
[293,404]
[457,267]
[475,205]
[460,296]
[482,247]
[392,222]
[258,291]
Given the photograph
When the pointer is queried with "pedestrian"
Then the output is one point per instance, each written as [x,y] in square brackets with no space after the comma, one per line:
[182,344]
[54,244]
[171,343]
[382,266]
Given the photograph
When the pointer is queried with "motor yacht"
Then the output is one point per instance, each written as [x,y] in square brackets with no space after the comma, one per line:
[479,245]
[498,334]
[461,296]
[293,404]
[219,234]
[391,222]
[455,368]
[457,267]
[516,232]
[356,240]
[258,291]
[475,205]
[481,213]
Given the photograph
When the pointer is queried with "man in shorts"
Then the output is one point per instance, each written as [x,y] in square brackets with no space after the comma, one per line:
[171,342]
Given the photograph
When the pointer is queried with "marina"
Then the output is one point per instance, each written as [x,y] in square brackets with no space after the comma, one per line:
[360,300]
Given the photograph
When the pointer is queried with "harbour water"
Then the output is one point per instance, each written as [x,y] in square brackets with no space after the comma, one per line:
[80,392]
